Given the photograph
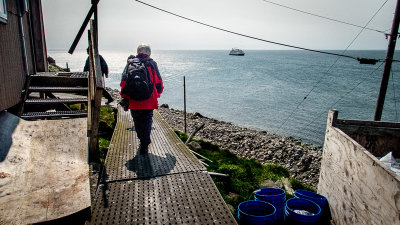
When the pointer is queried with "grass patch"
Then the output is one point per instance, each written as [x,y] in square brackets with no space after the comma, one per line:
[106,128]
[245,175]
[297,185]
[77,107]
[107,116]
[103,148]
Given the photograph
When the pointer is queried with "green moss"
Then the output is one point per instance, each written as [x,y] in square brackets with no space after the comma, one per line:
[107,116]
[106,128]
[77,106]
[245,175]
[297,185]
[55,68]
[181,135]
[103,148]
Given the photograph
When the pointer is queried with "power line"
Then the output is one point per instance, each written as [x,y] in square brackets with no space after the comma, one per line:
[247,36]
[337,59]
[361,60]
[394,95]
[341,97]
[324,17]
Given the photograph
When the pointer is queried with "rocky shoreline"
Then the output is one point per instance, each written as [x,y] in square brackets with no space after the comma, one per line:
[303,161]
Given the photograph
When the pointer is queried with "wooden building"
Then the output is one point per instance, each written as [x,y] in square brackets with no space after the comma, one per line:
[22,48]
[360,189]
[44,177]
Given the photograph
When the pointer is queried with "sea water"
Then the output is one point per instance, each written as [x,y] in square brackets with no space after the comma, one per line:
[286,92]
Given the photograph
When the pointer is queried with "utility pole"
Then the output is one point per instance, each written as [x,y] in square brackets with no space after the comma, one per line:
[388,63]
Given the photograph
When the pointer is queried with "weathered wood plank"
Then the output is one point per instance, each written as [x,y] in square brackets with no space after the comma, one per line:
[11,64]
[360,189]
[43,168]
[379,138]
[39,45]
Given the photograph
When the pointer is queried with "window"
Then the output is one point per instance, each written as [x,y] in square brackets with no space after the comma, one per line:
[3,11]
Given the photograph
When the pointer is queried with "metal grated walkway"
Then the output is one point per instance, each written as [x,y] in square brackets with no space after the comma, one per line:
[167,186]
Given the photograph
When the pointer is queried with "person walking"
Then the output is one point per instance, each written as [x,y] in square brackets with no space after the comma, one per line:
[142,107]
[104,72]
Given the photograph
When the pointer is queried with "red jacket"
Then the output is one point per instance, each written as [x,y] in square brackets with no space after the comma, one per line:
[158,87]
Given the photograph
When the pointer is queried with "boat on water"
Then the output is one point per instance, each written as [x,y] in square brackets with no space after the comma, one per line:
[236,51]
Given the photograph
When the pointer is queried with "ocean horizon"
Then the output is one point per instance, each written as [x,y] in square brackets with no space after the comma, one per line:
[286,92]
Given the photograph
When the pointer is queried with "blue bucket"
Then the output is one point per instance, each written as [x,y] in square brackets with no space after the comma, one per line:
[317,198]
[271,195]
[301,211]
[275,196]
[321,200]
[256,212]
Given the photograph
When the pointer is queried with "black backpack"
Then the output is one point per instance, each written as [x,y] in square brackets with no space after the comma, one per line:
[138,85]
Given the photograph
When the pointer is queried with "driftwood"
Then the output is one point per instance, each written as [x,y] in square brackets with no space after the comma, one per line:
[205,164]
[194,133]
[218,174]
[200,155]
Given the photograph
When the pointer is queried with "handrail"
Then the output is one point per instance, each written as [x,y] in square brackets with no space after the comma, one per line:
[95,92]
[92,10]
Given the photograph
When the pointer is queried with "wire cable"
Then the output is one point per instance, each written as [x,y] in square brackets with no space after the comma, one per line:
[324,17]
[394,95]
[346,94]
[337,59]
[247,36]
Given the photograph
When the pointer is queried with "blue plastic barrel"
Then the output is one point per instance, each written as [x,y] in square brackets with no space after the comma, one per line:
[276,197]
[300,211]
[317,198]
[256,212]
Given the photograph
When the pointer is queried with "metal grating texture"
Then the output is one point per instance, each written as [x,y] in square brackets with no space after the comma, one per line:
[42,115]
[186,198]
[167,154]
[57,89]
[80,74]
[56,100]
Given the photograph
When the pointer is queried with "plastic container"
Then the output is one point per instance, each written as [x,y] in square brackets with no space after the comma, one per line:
[256,212]
[300,211]
[317,198]
[276,197]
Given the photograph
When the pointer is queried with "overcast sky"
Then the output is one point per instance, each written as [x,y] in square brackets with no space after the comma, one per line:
[123,24]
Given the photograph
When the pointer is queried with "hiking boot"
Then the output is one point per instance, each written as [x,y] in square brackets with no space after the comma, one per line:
[143,149]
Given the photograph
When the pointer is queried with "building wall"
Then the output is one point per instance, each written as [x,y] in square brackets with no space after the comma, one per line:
[28,43]
[360,189]
[12,75]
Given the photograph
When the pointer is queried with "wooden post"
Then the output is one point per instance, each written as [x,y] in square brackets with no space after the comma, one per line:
[95,92]
[194,133]
[388,63]
[96,22]
[82,29]
[39,42]
[184,102]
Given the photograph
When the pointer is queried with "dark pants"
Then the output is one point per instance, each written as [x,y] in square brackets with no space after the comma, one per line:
[143,120]
[107,95]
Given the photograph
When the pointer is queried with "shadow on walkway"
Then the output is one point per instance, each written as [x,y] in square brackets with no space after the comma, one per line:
[150,165]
